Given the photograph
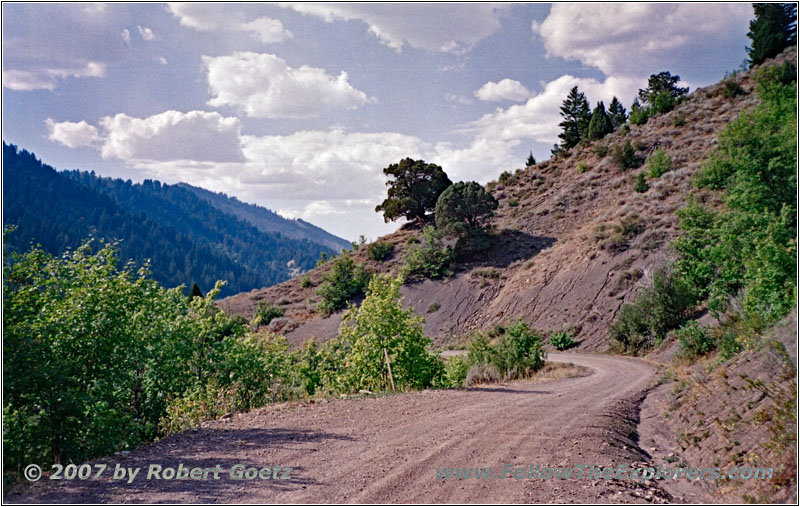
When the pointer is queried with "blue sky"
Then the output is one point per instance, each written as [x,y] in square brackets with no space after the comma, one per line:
[299,107]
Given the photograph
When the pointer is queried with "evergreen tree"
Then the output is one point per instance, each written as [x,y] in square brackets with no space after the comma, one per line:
[195,291]
[662,92]
[616,111]
[531,161]
[577,115]
[773,29]
[600,124]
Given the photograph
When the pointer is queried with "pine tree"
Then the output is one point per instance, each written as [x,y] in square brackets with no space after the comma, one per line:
[531,161]
[773,29]
[195,291]
[600,124]
[662,92]
[616,111]
[577,115]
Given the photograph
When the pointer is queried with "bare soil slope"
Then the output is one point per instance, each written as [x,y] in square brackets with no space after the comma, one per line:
[574,239]
[387,449]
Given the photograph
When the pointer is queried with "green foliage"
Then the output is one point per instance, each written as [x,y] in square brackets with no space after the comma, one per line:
[747,252]
[582,167]
[658,163]
[305,282]
[773,29]
[504,177]
[518,353]
[624,156]
[264,313]
[513,203]
[345,280]
[730,89]
[381,323]
[601,150]
[428,258]
[600,124]
[464,208]
[379,250]
[655,310]
[662,93]
[414,188]
[641,185]
[639,113]
[530,161]
[576,116]
[562,340]
[694,340]
[455,372]
[679,120]
[616,111]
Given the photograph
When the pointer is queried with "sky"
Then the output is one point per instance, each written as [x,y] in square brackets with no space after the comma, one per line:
[299,107]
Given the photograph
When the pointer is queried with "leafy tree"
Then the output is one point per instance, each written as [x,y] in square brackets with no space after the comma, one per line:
[462,211]
[600,124]
[413,191]
[531,161]
[773,29]
[428,258]
[577,115]
[381,323]
[345,280]
[662,92]
[195,292]
[616,111]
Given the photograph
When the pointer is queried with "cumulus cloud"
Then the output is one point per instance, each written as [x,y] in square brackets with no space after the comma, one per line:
[47,79]
[506,89]
[172,135]
[621,38]
[264,86]
[146,33]
[72,134]
[449,28]
[219,17]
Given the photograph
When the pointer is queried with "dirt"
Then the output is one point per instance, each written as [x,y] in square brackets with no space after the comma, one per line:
[386,449]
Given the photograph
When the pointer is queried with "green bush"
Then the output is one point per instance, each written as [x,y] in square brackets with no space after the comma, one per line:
[504,177]
[345,280]
[264,313]
[601,150]
[305,282]
[624,156]
[694,340]
[582,167]
[562,340]
[428,258]
[379,250]
[481,373]
[658,163]
[639,114]
[679,120]
[455,372]
[513,203]
[641,185]
[655,310]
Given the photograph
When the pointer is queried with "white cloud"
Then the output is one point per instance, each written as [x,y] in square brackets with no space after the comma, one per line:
[72,134]
[459,99]
[172,135]
[126,36]
[219,17]
[449,28]
[506,89]
[621,38]
[146,33]
[47,79]
[161,60]
[264,86]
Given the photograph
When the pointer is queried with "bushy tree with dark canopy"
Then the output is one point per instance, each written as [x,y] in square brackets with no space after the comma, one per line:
[600,124]
[413,191]
[773,30]
[662,92]
[617,113]
[462,210]
[577,115]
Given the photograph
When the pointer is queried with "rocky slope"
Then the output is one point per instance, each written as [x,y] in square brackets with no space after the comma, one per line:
[575,240]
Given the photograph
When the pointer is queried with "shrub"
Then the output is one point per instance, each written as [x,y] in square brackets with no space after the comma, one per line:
[433,307]
[455,372]
[264,314]
[379,250]
[654,311]
[679,120]
[601,150]
[481,373]
[305,282]
[518,353]
[658,163]
[562,340]
[582,167]
[504,177]
[639,114]
[513,203]
[730,89]
[381,323]
[344,281]
[429,258]
[694,340]
[641,185]
[624,156]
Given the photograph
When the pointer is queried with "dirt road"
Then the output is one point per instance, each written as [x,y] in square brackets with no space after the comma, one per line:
[388,449]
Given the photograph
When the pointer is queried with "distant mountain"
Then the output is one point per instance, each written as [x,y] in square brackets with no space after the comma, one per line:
[185,238]
[268,221]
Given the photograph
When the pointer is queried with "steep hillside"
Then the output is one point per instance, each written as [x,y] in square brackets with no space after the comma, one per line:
[186,239]
[268,221]
[574,239]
